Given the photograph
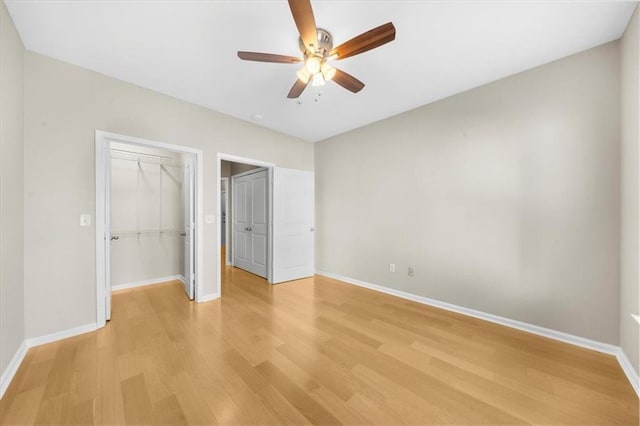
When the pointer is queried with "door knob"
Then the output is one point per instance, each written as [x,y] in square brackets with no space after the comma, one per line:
[115,237]
[183,234]
[312,229]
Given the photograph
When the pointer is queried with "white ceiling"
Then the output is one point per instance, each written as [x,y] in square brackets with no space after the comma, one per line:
[187,49]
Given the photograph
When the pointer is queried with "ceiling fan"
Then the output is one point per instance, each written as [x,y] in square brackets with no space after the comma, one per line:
[317,49]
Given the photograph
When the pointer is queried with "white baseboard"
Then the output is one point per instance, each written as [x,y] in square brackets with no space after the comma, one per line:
[208,297]
[12,368]
[151,281]
[182,279]
[59,335]
[10,371]
[535,329]
[629,371]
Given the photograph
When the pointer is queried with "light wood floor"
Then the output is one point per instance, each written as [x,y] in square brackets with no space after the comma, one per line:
[313,351]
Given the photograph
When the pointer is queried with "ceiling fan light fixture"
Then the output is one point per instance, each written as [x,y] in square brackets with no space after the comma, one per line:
[317,80]
[313,65]
[303,75]
[316,46]
[328,71]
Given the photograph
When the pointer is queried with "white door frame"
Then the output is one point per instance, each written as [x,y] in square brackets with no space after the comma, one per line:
[269,166]
[103,141]
[227,257]
[188,203]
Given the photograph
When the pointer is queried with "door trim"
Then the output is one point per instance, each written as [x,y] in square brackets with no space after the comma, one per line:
[269,166]
[103,139]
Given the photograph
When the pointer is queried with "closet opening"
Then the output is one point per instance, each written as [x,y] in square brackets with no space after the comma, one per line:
[147,217]
[151,217]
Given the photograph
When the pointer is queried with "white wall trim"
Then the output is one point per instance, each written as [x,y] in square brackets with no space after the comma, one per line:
[12,368]
[59,335]
[151,281]
[606,348]
[9,373]
[629,371]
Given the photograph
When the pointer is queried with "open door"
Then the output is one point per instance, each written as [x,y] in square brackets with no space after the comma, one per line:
[293,224]
[188,231]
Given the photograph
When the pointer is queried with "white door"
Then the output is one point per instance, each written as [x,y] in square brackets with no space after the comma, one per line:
[250,222]
[188,231]
[293,224]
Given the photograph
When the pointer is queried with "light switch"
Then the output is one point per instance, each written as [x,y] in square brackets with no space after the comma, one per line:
[85,220]
[209,219]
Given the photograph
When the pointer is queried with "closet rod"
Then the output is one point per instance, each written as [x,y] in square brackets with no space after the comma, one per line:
[146,232]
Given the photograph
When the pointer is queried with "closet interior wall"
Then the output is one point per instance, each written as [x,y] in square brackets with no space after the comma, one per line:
[147,215]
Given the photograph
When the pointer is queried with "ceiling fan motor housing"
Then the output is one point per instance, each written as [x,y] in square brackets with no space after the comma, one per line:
[324,46]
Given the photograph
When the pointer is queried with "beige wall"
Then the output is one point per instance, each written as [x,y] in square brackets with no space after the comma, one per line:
[630,279]
[11,190]
[64,105]
[504,199]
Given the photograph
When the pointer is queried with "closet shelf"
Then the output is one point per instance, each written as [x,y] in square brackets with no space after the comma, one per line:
[139,157]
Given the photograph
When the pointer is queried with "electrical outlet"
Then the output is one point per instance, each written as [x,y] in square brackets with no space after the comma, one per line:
[392,267]
[410,271]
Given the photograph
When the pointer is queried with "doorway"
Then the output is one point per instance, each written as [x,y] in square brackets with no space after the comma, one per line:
[290,219]
[250,221]
[246,215]
[148,216]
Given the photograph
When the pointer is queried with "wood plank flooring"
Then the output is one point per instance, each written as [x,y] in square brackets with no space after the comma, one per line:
[314,351]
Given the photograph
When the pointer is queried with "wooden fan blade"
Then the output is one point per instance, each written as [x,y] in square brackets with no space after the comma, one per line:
[268,57]
[297,89]
[306,23]
[366,41]
[348,81]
